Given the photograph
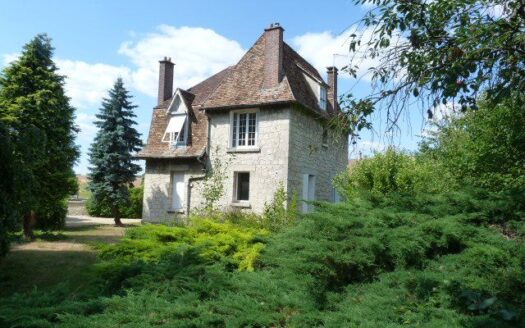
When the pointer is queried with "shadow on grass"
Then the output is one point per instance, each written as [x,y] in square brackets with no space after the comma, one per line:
[23,270]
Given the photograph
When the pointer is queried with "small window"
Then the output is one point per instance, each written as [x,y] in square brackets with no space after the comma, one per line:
[325,138]
[242,186]
[244,129]
[322,97]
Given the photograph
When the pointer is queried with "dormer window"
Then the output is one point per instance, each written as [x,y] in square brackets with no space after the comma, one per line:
[322,97]
[176,132]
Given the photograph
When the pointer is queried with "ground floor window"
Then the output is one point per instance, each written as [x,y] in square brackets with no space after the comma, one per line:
[308,191]
[242,186]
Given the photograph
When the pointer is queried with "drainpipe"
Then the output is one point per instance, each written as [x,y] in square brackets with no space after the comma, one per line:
[192,179]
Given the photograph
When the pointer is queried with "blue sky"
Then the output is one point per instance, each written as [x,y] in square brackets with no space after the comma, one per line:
[97,41]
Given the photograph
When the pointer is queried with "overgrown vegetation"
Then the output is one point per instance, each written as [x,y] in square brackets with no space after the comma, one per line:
[212,186]
[439,260]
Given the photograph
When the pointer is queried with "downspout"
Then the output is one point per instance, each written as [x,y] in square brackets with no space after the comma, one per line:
[201,159]
[190,185]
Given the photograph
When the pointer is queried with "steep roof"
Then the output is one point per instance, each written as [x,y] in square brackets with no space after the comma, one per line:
[237,86]
[243,85]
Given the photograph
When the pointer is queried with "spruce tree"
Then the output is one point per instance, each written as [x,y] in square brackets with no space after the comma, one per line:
[112,169]
[40,121]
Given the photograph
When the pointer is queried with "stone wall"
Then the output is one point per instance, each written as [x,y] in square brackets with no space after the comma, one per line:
[289,145]
[268,164]
[308,155]
[158,189]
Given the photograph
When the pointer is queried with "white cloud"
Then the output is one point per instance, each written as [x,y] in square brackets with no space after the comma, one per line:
[86,83]
[366,148]
[197,53]
[9,58]
[87,127]
[325,49]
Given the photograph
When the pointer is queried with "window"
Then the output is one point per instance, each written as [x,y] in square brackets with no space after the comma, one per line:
[325,138]
[177,131]
[308,191]
[322,97]
[242,186]
[244,129]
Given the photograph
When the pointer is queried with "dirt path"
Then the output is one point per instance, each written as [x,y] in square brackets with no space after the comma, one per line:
[79,220]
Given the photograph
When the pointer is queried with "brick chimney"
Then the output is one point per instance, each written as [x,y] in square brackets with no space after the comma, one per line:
[165,79]
[273,56]
[332,83]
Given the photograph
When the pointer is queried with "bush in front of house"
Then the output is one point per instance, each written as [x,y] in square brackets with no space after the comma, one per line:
[432,260]
[133,208]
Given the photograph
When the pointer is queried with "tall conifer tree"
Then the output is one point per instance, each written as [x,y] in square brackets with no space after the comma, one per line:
[40,121]
[112,168]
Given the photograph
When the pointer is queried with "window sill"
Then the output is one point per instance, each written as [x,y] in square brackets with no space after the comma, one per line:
[241,204]
[181,211]
[244,150]
[325,145]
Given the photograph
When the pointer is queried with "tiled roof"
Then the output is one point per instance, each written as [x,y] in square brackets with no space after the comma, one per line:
[235,87]
[243,84]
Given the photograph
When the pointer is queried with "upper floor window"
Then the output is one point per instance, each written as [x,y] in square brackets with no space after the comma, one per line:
[244,129]
[322,97]
[177,131]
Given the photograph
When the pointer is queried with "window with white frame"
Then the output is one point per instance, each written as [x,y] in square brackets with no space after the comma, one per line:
[244,129]
[177,131]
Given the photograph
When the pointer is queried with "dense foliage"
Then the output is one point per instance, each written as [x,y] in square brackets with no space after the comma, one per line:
[112,169]
[449,260]
[438,52]
[483,148]
[129,209]
[394,172]
[40,122]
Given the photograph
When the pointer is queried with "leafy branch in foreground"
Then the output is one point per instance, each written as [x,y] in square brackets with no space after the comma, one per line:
[433,53]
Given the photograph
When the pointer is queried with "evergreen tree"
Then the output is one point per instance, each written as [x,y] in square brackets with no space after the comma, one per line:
[40,122]
[7,204]
[112,168]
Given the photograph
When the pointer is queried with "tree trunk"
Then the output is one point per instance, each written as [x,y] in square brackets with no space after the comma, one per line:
[116,216]
[29,224]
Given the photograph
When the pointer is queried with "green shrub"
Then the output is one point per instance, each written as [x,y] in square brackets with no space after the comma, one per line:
[276,214]
[393,172]
[52,216]
[431,260]
[133,209]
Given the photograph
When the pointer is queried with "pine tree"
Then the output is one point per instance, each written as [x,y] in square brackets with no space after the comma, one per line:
[112,170]
[40,121]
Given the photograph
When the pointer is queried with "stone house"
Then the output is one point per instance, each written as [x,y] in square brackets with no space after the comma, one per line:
[265,120]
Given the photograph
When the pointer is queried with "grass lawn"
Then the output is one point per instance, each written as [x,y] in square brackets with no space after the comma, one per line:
[64,257]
